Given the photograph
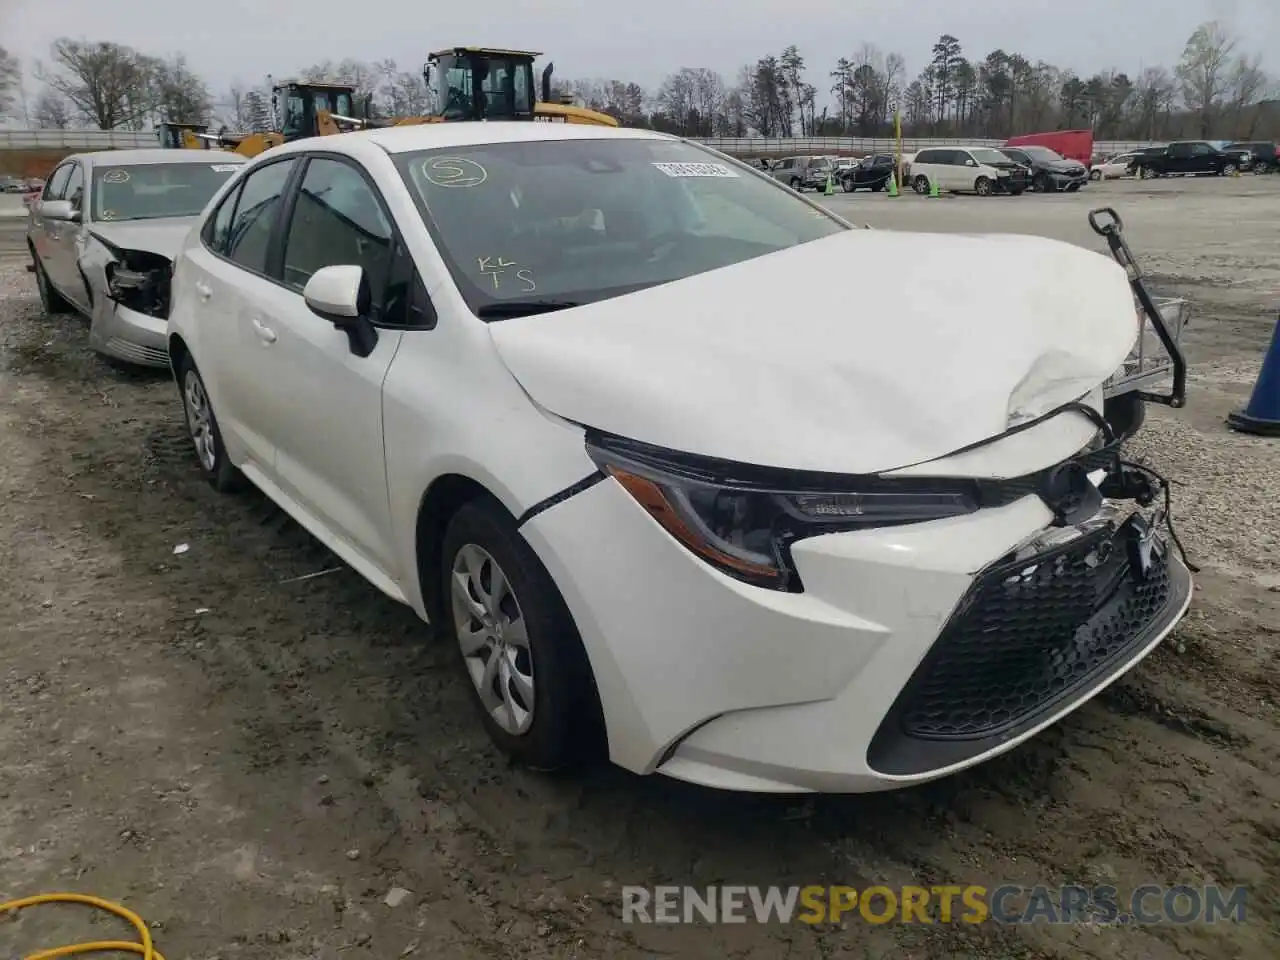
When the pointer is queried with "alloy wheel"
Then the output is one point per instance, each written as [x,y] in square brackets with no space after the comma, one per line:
[200,422]
[491,632]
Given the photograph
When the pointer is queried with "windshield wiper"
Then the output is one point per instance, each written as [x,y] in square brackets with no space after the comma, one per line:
[522,308]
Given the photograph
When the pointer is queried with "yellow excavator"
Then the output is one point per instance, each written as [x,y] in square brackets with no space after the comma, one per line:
[472,83]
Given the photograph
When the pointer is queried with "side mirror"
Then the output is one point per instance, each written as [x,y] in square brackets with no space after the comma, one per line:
[340,294]
[971,162]
[59,210]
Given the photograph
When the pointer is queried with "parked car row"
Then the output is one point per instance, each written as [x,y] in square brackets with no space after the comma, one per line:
[505,372]
[1016,169]
[1189,158]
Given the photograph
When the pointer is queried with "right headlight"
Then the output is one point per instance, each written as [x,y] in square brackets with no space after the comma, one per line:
[742,520]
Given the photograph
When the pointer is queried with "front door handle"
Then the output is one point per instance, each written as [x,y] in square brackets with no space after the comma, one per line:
[262,330]
[204,290]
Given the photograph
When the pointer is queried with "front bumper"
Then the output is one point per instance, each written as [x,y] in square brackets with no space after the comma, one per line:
[1068,181]
[127,334]
[1014,183]
[909,656]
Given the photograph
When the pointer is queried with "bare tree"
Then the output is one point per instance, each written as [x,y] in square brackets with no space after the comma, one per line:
[178,94]
[10,80]
[51,111]
[1246,85]
[363,78]
[108,84]
[1203,71]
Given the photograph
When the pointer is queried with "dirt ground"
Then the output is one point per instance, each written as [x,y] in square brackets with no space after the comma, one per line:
[252,761]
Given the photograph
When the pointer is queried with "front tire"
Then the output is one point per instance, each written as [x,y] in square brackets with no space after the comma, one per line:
[982,187]
[847,185]
[796,185]
[50,299]
[206,436]
[1095,174]
[1125,413]
[517,643]
[1229,170]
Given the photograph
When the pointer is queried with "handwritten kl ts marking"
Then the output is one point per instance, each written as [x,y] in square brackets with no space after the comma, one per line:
[496,267]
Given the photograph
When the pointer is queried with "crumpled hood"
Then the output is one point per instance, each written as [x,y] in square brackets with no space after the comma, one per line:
[154,236]
[858,353]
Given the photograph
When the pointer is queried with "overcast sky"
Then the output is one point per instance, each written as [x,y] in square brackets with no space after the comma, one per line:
[640,40]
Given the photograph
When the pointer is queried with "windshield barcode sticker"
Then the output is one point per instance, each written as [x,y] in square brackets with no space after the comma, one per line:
[226,167]
[696,170]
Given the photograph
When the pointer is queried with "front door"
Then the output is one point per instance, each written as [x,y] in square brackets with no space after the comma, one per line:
[329,452]
[71,241]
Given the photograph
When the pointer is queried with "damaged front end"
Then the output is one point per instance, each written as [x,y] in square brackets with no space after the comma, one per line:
[138,280]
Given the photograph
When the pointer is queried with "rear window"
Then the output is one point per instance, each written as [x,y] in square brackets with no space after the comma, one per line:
[150,191]
[578,221]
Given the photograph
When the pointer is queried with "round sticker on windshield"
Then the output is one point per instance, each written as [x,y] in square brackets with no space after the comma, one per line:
[454,172]
[116,176]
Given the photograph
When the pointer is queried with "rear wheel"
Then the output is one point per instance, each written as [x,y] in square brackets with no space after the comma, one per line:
[203,428]
[920,184]
[982,186]
[50,299]
[797,185]
[519,648]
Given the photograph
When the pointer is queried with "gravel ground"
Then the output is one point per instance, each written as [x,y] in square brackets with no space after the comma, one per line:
[253,761]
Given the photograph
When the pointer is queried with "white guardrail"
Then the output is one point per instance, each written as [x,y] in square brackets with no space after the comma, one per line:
[758,146]
[77,139]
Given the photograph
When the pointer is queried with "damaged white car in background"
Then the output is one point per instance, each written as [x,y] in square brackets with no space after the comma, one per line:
[103,236]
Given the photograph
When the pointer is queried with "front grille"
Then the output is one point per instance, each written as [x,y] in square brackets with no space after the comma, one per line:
[1031,632]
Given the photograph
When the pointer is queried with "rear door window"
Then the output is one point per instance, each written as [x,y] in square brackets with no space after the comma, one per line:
[256,214]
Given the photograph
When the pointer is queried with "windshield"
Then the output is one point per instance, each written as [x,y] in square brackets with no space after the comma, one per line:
[153,190]
[987,155]
[1041,153]
[575,221]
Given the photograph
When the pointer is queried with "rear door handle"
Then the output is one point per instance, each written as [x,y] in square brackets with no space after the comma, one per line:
[204,290]
[263,331]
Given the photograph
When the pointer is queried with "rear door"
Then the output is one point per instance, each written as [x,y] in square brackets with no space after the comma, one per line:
[233,287]
[1203,159]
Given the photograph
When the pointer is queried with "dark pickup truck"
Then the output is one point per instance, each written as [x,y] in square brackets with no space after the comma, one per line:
[1188,157]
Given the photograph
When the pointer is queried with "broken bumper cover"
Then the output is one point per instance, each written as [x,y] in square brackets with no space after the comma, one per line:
[129,335]
[863,681]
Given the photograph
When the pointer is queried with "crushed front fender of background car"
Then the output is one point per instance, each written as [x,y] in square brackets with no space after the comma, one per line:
[138,279]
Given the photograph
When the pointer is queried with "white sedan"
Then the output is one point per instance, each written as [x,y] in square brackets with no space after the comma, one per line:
[1115,167]
[559,389]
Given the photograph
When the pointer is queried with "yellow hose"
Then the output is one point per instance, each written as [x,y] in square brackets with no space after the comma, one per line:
[145,948]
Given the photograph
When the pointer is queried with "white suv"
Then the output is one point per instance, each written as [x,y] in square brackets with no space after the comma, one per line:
[980,170]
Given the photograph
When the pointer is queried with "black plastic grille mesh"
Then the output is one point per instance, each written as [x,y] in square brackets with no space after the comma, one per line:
[1028,634]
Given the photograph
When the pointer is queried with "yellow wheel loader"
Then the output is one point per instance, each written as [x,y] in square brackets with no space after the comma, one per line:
[471,83]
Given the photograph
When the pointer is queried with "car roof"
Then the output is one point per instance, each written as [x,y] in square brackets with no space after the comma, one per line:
[429,136]
[124,158]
